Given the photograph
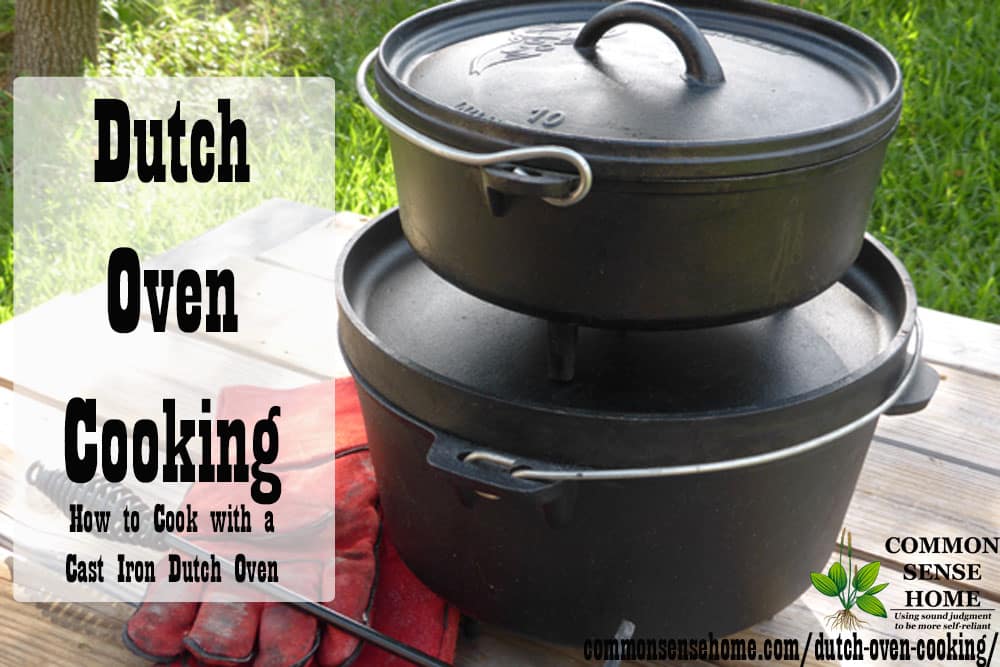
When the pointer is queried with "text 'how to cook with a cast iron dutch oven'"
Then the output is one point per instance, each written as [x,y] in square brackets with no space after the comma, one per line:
[635,164]
[559,509]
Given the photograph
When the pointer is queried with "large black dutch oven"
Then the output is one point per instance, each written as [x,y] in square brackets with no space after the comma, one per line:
[687,481]
[635,165]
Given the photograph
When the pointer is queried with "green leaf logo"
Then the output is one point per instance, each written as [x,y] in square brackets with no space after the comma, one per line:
[861,594]
[866,576]
[824,584]
[839,576]
[876,589]
[871,605]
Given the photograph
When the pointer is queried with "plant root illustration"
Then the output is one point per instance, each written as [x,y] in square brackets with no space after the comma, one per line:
[844,620]
[860,592]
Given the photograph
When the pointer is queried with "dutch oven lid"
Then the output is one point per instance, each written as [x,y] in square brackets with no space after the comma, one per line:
[461,363]
[716,87]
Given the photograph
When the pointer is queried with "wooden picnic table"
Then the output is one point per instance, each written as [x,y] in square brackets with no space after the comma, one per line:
[935,473]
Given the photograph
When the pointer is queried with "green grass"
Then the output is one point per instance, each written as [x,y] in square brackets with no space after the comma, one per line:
[938,207]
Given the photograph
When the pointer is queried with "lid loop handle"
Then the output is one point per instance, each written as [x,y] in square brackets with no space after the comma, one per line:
[703,67]
[514,155]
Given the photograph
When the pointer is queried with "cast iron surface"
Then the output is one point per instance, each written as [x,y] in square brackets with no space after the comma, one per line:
[444,376]
[567,561]
[711,88]
[635,254]
[639,398]
[723,189]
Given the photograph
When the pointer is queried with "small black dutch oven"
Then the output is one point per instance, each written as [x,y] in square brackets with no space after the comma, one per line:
[635,164]
[687,480]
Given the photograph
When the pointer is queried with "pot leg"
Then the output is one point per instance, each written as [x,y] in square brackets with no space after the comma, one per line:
[625,631]
[469,627]
[562,351]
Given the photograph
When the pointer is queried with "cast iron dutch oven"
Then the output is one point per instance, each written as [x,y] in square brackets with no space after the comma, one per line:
[635,164]
[687,480]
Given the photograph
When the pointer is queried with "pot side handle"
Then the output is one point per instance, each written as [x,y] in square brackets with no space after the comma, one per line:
[703,66]
[918,393]
[481,475]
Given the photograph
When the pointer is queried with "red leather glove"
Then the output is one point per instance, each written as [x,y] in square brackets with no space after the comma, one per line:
[269,634]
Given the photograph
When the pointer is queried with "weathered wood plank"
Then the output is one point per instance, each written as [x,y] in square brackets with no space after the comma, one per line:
[961,424]
[962,343]
[64,349]
[316,250]
[904,493]
[59,634]
[248,234]
[286,317]
[117,612]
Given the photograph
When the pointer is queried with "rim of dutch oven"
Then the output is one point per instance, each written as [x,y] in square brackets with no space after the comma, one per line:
[898,344]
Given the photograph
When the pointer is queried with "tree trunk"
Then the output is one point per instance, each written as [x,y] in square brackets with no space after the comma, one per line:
[54,37]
